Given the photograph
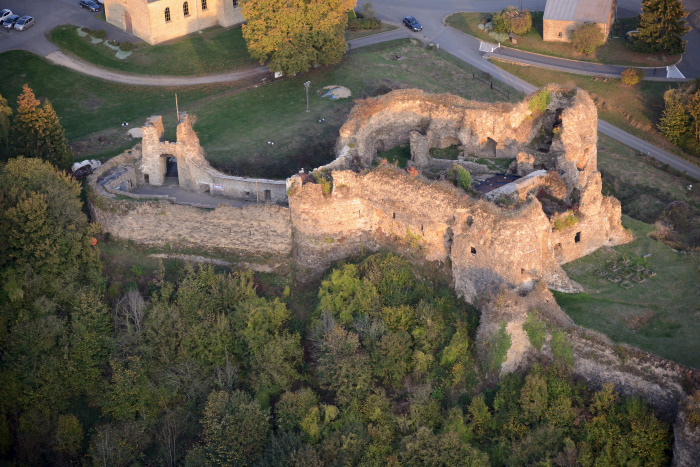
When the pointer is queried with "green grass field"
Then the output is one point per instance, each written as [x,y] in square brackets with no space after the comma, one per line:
[616,51]
[660,315]
[234,127]
[215,50]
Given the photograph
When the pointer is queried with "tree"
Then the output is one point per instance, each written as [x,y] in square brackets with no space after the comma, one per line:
[675,121]
[693,108]
[38,133]
[587,37]
[5,115]
[235,428]
[661,27]
[295,35]
[632,76]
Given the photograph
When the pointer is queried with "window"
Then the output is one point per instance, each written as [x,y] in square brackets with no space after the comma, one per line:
[235,3]
[577,238]
[560,34]
[473,250]
[186,9]
[204,4]
[167,15]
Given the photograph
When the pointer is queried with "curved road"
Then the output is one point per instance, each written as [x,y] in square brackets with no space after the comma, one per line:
[467,49]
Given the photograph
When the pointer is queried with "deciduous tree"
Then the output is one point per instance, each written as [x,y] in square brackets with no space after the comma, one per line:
[294,35]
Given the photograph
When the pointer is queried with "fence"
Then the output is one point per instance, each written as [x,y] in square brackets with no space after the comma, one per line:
[502,92]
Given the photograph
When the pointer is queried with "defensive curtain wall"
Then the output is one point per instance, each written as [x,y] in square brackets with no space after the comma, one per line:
[514,248]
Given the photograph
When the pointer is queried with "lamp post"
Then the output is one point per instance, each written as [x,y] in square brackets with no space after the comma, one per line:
[306,85]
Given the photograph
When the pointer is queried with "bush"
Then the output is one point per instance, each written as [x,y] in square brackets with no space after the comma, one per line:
[540,102]
[127,46]
[587,37]
[562,349]
[100,34]
[461,177]
[562,222]
[536,331]
[512,20]
[357,24]
[351,14]
[632,76]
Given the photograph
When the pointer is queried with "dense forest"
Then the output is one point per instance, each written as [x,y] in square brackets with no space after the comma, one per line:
[202,369]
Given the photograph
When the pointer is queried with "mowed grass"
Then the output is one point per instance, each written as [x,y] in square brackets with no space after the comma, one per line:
[235,130]
[643,189]
[635,109]
[89,106]
[386,27]
[215,50]
[616,51]
[660,315]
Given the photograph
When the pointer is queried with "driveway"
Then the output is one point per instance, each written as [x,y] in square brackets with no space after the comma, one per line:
[48,14]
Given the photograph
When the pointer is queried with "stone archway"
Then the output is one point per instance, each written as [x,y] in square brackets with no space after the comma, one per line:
[171,173]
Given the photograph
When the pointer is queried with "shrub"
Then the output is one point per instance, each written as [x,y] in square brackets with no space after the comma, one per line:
[632,76]
[496,349]
[100,33]
[562,222]
[113,42]
[499,23]
[461,177]
[587,37]
[351,14]
[562,350]
[127,46]
[536,330]
[540,102]
[512,20]
[324,179]
[364,24]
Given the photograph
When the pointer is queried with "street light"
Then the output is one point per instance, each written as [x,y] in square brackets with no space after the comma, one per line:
[306,85]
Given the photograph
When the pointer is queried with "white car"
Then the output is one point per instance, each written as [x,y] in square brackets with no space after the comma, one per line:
[5,14]
[25,22]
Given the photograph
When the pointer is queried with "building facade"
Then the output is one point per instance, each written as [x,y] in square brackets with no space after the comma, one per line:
[561,17]
[157,21]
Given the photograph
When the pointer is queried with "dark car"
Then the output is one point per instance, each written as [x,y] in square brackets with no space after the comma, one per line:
[25,22]
[10,21]
[412,24]
[90,5]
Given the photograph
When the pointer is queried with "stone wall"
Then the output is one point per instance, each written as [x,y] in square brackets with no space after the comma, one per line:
[194,172]
[148,20]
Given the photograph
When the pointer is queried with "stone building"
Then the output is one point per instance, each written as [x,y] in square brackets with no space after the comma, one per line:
[157,21]
[562,16]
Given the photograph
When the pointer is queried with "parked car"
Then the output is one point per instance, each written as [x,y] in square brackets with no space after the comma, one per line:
[412,23]
[90,5]
[25,22]
[4,14]
[10,21]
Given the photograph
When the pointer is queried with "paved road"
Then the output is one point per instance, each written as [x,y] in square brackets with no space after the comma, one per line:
[466,48]
[59,58]
[48,14]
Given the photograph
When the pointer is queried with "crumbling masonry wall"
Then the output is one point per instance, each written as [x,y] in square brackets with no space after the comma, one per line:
[194,171]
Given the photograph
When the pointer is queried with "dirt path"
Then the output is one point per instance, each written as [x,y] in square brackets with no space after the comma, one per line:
[59,58]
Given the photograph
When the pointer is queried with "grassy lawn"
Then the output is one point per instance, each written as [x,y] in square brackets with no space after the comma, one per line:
[91,110]
[235,130]
[350,35]
[643,189]
[216,50]
[660,315]
[235,127]
[635,109]
[616,51]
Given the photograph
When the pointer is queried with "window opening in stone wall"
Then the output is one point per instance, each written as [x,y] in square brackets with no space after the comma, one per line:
[473,250]
[167,15]
[204,4]
[393,215]
[268,196]
[235,3]
[186,9]
[145,179]
[560,35]
[577,238]
[522,271]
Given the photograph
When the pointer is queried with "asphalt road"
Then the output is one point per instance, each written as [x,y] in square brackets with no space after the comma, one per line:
[48,14]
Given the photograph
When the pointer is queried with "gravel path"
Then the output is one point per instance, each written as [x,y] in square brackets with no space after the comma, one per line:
[59,58]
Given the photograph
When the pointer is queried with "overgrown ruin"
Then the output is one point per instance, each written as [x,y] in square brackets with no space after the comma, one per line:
[512,240]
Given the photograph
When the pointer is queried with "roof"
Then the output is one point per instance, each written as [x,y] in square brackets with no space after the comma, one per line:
[593,11]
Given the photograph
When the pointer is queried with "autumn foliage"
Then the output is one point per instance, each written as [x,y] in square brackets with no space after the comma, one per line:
[294,35]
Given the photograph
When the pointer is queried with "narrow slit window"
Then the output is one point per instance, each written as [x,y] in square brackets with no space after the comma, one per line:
[186,9]
[473,250]
[235,3]
[167,15]
[204,4]
[577,238]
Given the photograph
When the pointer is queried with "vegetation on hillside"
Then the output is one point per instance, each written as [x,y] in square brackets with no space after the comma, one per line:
[661,27]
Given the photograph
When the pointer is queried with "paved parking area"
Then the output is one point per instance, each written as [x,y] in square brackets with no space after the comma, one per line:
[49,14]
